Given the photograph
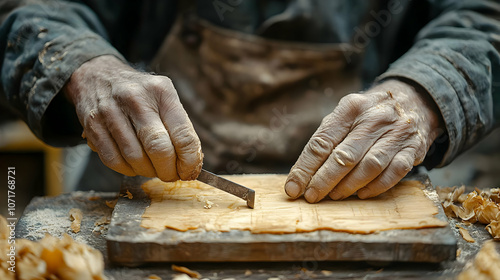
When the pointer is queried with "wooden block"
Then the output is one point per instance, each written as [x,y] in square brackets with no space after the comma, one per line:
[217,234]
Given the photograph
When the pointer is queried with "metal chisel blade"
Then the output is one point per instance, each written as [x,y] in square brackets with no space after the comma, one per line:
[230,187]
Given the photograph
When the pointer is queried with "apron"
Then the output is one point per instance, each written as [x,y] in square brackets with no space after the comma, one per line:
[254,102]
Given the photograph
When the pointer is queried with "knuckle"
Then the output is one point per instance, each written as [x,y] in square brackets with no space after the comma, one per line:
[346,155]
[185,139]
[133,156]
[374,162]
[160,83]
[352,102]
[402,165]
[319,145]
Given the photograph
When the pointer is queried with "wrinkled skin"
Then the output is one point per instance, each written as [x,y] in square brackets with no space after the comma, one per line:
[134,121]
[367,144]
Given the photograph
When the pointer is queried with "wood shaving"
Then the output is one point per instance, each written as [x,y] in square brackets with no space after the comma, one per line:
[208,204]
[52,258]
[102,221]
[465,234]
[75,215]
[153,277]
[477,206]
[248,272]
[189,272]
[326,272]
[127,195]
[111,203]
[494,229]
[181,277]
[486,264]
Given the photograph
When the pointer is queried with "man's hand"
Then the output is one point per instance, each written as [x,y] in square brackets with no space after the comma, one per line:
[134,121]
[369,143]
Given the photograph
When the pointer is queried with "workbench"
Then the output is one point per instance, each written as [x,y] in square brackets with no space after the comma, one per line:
[50,215]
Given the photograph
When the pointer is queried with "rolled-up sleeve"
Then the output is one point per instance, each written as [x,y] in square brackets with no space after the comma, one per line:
[41,45]
[456,59]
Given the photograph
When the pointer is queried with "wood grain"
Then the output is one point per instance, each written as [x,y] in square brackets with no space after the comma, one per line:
[194,205]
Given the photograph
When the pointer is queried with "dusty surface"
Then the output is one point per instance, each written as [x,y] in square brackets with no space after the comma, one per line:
[403,207]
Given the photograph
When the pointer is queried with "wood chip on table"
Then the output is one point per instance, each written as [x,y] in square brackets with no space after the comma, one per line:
[187,271]
[153,277]
[102,221]
[465,234]
[248,272]
[128,195]
[111,203]
[326,272]
[75,215]
[182,277]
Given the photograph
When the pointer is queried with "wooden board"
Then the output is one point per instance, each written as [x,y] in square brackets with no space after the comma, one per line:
[131,244]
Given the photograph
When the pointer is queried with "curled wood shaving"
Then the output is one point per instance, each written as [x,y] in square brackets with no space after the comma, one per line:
[477,206]
[52,258]
[494,229]
[189,272]
[75,215]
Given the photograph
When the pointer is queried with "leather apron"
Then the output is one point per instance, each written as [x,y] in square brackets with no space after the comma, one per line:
[254,102]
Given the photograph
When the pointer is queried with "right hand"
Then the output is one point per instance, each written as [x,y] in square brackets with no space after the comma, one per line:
[134,121]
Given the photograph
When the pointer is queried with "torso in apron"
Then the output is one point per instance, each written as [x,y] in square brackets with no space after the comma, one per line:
[254,102]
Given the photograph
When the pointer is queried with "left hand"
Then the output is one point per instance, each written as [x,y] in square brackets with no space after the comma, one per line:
[367,144]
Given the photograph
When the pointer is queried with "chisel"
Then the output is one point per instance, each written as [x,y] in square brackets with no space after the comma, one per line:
[228,186]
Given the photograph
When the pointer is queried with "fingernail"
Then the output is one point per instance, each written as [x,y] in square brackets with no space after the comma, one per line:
[292,189]
[311,195]
[363,193]
[336,195]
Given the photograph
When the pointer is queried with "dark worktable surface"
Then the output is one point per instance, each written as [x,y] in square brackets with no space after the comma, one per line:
[50,215]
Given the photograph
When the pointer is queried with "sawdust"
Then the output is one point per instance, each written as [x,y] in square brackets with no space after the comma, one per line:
[43,221]
[176,206]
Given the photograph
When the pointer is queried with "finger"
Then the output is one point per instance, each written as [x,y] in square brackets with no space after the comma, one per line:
[182,134]
[143,114]
[130,147]
[157,144]
[400,165]
[332,130]
[373,163]
[100,140]
[342,160]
